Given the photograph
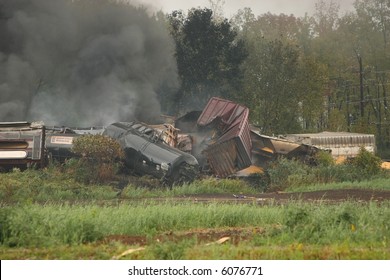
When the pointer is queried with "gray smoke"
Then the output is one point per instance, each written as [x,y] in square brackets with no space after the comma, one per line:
[82,62]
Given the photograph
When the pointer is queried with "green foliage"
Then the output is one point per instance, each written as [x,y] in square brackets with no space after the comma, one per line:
[290,174]
[168,250]
[285,173]
[367,163]
[325,174]
[5,224]
[137,189]
[377,183]
[208,56]
[35,226]
[99,158]
[337,121]
[296,216]
[346,222]
[324,158]
[55,225]
[310,85]
[270,86]
[62,183]
[294,73]
[52,184]
[99,148]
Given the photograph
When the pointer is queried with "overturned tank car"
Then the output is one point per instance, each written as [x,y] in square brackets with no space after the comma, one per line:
[145,153]
[59,141]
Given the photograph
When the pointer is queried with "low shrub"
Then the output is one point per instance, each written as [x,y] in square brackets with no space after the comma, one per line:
[99,158]
[367,163]
[48,185]
[324,158]
[285,173]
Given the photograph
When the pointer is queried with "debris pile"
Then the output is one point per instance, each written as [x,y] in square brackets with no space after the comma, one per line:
[217,141]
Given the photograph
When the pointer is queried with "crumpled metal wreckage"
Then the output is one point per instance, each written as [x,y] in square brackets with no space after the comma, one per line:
[217,141]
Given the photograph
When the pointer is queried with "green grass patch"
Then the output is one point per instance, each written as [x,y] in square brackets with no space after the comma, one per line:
[187,250]
[319,224]
[53,185]
[294,251]
[294,175]
[205,186]
[48,185]
[373,184]
[47,214]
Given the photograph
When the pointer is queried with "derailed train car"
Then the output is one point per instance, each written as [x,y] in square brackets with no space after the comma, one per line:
[228,146]
[218,136]
[149,149]
[145,153]
[22,144]
[267,149]
[217,141]
[146,150]
[59,141]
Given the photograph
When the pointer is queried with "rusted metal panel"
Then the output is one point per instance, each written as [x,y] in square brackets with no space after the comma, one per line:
[222,158]
[266,149]
[229,149]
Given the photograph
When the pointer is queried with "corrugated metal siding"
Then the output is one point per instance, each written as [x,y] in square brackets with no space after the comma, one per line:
[232,150]
[239,128]
[216,107]
[340,143]
[354,140]
[222,158]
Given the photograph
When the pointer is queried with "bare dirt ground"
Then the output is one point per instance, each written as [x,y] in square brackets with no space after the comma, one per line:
[330,196]
[323,196]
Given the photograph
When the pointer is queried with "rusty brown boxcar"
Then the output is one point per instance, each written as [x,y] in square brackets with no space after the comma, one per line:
[229,145]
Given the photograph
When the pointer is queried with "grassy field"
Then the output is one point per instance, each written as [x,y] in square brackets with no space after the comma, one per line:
[372,184]
[48,214]
[298,230]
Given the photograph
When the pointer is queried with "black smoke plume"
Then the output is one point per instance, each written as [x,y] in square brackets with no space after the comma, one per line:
[82,62]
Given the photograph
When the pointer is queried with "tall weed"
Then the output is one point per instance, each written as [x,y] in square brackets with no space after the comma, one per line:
[53,225]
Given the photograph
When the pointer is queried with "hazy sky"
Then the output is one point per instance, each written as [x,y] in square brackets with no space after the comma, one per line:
[296,7]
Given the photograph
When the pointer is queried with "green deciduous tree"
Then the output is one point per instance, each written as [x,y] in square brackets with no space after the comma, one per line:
[208,56]
[355,48]
[270,86]
[284,85]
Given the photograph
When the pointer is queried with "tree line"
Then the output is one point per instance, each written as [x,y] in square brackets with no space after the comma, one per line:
[326,71]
